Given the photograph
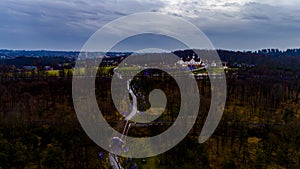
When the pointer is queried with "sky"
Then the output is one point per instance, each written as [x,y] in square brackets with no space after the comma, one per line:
[229,24]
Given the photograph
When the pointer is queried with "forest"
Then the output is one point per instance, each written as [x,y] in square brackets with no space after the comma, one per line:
[260,127]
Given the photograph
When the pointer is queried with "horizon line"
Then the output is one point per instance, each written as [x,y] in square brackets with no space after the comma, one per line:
[216,49]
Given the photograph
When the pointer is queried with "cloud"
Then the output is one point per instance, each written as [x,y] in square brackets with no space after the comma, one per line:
[244,24]
[233,24]
[58,24]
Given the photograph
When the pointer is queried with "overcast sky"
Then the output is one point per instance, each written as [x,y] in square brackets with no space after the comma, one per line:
[229,24]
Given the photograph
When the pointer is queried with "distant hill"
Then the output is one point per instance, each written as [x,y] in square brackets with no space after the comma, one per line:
[37,53]
[266,58]
[181,53]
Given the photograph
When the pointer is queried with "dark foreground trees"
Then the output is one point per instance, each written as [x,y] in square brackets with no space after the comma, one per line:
[259,128]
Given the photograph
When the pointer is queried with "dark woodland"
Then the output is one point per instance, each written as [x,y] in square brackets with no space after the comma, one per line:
[260,127]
